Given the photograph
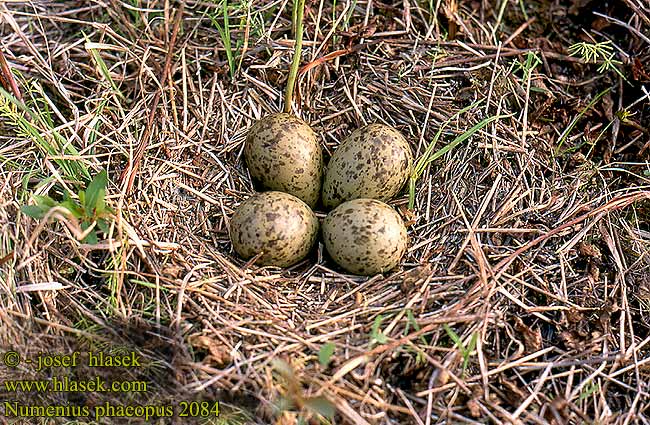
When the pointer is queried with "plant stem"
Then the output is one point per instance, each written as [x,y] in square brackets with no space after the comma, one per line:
[291,82]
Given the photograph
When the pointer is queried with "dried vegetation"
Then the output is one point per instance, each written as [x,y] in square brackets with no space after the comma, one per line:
[524,296]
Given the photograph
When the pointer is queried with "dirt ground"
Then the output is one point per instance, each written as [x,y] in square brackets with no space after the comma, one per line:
[524,295]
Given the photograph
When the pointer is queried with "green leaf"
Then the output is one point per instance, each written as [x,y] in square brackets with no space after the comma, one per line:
[95,192]
[103,226]
[453,335]
[466,135]
[410,321]
[321,405]
[472,342]
[376,333]
[470,348]
[325,354]
[34,211]
[575,120]
[45,201]
[429,156]
[73,207]
[91,238]
[43,205]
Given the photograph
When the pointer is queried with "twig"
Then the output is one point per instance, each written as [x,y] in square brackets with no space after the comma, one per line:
[128,175]
[7,78]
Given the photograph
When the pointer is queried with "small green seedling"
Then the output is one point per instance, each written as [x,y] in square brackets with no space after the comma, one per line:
[224,32]
[33,120]
[573,123]
[528,66]
[101,66]
[325,354]
[376,335]
[602,52]
[411,322]
[465,351]
[588,390]
[90,208]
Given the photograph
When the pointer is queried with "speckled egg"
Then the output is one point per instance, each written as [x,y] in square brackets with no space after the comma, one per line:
[282,153]
[277,224]
[365,236]
[374,162]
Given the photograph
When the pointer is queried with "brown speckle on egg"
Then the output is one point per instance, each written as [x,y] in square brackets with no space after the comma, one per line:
[375,162]
[365,236]
[282,153]
[277,224]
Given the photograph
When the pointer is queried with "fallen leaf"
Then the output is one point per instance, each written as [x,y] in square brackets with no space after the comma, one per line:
[589,250]
[218,354]
[474,408]
[532,338]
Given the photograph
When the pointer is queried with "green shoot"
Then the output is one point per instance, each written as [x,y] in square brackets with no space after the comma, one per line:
[299,6]
[90,208]
[95,123]
[588,390]
[224,32]
[597,52]
[411,322]
[532,61]
[33,121]
[346,23]
[523,9]
[376,335]
[103,68]
[465,351]
[293,397]
[429,156]
[573,123]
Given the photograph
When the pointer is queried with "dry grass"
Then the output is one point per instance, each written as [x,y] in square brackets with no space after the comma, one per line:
[535,251]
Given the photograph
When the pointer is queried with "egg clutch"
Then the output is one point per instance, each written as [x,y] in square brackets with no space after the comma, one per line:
[361,233]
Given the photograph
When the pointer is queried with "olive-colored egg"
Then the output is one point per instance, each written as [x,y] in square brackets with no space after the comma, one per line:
[374,162]
[277,224]
[365,236]
[282,153]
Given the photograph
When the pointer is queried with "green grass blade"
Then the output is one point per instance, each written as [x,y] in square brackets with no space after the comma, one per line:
[50,141]
[429,156]
[453,336]
[573,123]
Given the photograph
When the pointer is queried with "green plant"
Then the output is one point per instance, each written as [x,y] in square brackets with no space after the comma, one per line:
[101,65]
[587,390]
[429,156]
[89,208]
[224,32]
[573,123]
[465,351]
[293,397]
[299,10]
[33,120]
[412,323]
[233,53]
[325,354]
[376,335]
[528,66]
[602,52]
